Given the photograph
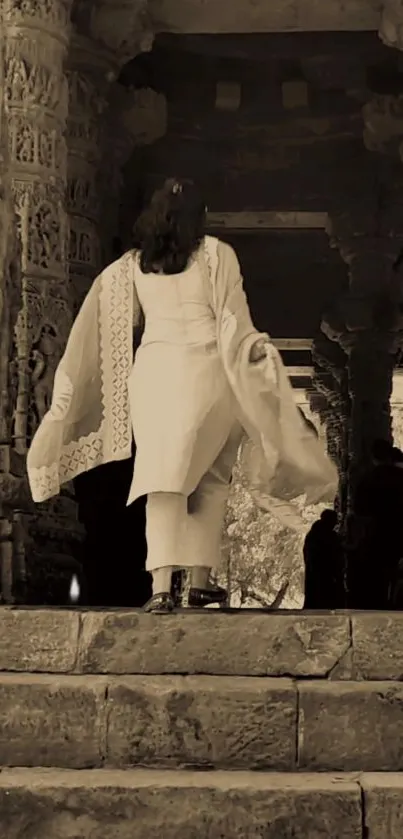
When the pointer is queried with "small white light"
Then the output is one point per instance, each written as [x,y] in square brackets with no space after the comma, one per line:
[74,593]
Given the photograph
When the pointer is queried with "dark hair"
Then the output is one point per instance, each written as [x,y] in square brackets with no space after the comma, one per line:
[382,451]
[171,227]
[330,518]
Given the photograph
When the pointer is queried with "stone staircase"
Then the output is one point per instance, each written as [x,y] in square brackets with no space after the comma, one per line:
[241,725]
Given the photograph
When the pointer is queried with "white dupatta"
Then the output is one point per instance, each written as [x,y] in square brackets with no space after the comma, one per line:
[281,459]
[89,424]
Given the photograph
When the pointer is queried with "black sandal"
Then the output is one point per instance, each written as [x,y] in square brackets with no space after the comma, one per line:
[162,604]
[200,597]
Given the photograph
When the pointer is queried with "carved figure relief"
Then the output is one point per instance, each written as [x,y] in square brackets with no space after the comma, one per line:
[43,364]
[54,12]
[27,84]
[44,228]
[84,246]
[82,196]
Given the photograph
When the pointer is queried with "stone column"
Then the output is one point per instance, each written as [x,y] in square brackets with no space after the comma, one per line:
[10,304]
[329,399]
[36,40]
[368,325]
[90,68]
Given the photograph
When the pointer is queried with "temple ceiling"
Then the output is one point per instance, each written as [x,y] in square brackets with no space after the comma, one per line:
[127,27]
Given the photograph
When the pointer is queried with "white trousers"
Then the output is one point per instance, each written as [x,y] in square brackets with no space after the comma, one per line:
[185,532]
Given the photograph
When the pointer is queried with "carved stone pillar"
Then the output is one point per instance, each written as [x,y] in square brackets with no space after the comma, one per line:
[36,101]
[89,67]
[329,399]
[10,304]
[36,41]
[368,325]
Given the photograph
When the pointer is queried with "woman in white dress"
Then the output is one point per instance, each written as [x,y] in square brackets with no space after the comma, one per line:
[183,409]
[202,378]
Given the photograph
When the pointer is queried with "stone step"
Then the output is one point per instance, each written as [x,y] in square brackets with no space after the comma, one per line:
[78,721]
[133,804]
[241,643]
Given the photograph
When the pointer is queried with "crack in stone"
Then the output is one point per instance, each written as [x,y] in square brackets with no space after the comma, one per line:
[298,727]
[343,655]
[364,825]
[76,665]
[104,727]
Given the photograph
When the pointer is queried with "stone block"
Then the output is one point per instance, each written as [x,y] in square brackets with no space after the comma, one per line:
[377,645]
[51,720]
[294,94]
[383,805]
[350,726]
[229,722]
[41,640]
[213,643]
[176,805]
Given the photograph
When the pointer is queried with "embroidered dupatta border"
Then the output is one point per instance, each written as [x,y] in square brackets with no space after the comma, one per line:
[113,439]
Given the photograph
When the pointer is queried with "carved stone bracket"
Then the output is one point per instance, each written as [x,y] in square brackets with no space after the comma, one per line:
[124,26]
[35,38]
[391,28]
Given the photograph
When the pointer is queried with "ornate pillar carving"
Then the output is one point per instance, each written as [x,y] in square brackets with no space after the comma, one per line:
[367,323]
[89,69]
[36,41]
[10,303]
[37,37]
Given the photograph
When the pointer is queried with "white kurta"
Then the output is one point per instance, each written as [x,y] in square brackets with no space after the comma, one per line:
[182,406]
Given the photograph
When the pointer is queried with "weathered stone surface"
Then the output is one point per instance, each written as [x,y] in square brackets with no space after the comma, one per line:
[240,644]
[350,726]
[188,16]
[176,805]
[377,645]
[383,798]
[51,720]
[36,639]
[230,722]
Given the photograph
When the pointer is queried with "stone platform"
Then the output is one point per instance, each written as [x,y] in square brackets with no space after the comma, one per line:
[210,725]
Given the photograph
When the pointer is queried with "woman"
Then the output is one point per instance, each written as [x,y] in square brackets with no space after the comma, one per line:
[202,376]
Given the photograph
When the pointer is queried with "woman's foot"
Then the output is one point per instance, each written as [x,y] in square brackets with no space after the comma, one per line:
[200,597]
[160,604]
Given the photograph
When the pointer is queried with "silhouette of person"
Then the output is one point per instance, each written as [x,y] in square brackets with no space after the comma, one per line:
[378,504]
[323,557]
[114,550]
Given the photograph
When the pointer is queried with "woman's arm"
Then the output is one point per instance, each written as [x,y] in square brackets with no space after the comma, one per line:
[235,301]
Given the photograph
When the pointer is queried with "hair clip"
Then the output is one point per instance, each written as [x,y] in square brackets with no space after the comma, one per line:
[177,189]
